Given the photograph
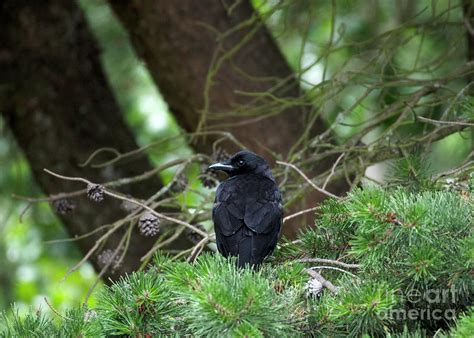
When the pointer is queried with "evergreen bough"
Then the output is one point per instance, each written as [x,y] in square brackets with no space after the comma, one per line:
[414,251]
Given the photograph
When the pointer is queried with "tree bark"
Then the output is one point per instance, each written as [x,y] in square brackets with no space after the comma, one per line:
[468,13]
[56,101]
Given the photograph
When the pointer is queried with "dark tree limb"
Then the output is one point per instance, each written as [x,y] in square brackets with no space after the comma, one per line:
[468,12]
[56,101]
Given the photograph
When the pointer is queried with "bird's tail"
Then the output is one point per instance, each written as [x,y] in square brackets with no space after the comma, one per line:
[246,248]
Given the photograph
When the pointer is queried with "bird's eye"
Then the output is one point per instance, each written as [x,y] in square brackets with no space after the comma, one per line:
[241,163]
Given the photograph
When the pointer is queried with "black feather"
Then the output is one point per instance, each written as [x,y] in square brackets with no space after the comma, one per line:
[247,211]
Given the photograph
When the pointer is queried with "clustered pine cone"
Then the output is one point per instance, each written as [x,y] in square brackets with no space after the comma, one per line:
[313,288]
[209,178]
[63,206]
[180,183]
[95,192]
[106,257]
[193,236]
[149,224]
[89,315]
[220,155]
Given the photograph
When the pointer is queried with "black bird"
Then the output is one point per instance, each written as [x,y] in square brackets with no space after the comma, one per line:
[247,211]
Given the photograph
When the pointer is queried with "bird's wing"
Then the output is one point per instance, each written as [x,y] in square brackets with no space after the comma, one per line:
[264,213]
[257,204]
[227,212]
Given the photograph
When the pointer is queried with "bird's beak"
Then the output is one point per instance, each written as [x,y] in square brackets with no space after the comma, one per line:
[221,166]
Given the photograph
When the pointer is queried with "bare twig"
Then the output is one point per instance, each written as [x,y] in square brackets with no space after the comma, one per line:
[333,169]
[299,213]
[198,248]
[96,245]
[50,198]
[333,268]
[110,262]
[325,192]
[450,123]
[460,169]
[77,238]
[56,312]
[328,261]
[23,212]
[160,245]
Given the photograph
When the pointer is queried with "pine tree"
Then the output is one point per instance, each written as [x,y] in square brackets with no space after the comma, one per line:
[392,262]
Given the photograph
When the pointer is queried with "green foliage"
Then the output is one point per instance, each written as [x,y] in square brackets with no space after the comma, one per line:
[80,322]
[360,307]
[137,304]
[31,325]
[417,243]
[414,251]
[221,299]
[77,322]
[465,326]
[411,171]
[332,233]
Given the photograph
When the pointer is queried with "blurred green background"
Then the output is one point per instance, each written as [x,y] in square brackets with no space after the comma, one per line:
[31,269]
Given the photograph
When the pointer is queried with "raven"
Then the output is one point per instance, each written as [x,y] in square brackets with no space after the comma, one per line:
[247,211]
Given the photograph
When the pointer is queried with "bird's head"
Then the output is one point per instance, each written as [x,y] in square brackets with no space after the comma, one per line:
[244,162]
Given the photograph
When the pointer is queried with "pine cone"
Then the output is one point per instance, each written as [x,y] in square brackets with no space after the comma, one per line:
[220,155]
[193,236]
[63,206]
[106,256]
[95,192]
[89,315]
[180,184]
[313,288]
[149,224]
[208,178]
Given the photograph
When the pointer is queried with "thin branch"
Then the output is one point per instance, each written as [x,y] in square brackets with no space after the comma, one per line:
[454,171]
[56,312]
[328,261]
[296,241]
[96,245]
[160,215]
[333,170]
[299,213]
[325,192]
[77,238]
[23,212]
[110,262]
[159,245]
[333,268]
[50,198]
[450,123]
[198,248]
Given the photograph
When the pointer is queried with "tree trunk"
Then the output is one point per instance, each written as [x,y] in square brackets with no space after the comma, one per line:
[468,12]
[56,101]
